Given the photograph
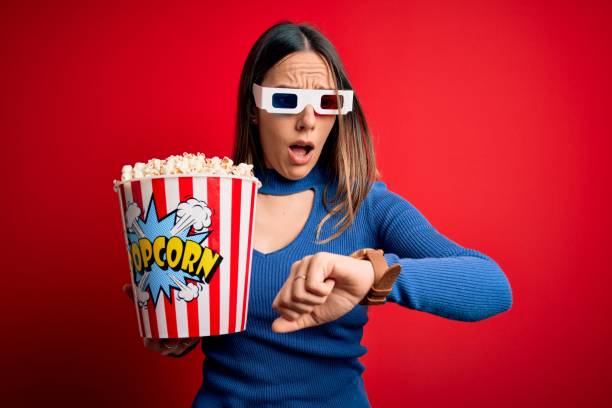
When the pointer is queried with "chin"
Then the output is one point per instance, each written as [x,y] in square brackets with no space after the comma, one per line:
[298,172]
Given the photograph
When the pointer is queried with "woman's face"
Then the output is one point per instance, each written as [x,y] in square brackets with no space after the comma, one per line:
[279,132]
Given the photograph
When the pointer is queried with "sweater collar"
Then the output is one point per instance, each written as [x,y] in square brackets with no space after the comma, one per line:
[274,183]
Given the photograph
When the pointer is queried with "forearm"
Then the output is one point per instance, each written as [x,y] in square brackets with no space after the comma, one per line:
[461,287]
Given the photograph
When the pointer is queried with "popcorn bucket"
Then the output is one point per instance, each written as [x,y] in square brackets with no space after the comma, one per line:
[189,244]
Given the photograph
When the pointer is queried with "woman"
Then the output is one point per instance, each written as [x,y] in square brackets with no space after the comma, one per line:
[309,296]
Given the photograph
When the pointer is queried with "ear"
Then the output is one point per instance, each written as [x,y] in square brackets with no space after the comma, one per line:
[253,115]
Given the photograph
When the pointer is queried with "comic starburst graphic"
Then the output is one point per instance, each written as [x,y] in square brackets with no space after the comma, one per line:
[157,279]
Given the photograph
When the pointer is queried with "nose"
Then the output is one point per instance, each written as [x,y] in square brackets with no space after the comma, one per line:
[307,118]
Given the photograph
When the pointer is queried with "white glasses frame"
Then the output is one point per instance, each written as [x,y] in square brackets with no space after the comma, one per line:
[263,99]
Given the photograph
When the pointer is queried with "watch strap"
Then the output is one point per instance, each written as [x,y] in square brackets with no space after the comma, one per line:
[384,276]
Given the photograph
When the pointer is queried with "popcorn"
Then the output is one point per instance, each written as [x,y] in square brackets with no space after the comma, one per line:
[188,163]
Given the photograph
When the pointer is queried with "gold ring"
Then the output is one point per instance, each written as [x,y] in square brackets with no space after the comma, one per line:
[299,276]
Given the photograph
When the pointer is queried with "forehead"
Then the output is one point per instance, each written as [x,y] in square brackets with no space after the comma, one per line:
[302,69]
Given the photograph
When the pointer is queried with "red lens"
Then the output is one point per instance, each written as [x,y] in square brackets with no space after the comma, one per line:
[331,101]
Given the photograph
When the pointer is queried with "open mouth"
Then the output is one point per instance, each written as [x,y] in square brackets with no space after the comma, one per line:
[301,150]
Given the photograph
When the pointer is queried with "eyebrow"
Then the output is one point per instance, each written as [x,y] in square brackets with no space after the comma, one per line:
[294,87]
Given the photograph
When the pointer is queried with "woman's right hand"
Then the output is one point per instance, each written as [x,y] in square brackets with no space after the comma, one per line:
[165,347]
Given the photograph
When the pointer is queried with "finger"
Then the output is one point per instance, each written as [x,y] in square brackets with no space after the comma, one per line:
[161,346]
[282,303]
[280,296]
[299,294]
[288,313]
[317,281]
[153,344]
[286,298]
[127,289]
[292,310]
[189,343]
[184,346]
[171,346]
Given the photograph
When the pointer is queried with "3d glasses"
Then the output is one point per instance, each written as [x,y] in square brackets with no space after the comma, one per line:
[291,100]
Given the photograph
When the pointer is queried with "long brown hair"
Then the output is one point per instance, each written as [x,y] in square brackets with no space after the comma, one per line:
[348,154]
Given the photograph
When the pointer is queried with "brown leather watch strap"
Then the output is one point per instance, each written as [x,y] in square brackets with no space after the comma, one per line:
[384,276]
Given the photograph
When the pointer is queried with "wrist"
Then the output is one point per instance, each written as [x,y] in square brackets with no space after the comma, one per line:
[368,273]
[384,276]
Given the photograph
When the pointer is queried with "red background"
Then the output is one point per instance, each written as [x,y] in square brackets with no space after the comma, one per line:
[499,133]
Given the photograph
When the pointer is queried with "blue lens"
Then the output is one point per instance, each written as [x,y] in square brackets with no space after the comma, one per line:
[284,100]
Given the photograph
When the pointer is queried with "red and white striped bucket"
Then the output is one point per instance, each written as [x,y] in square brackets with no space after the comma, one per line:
[197,288]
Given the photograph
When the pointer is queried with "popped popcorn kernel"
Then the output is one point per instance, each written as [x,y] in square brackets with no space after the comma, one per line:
[187,163]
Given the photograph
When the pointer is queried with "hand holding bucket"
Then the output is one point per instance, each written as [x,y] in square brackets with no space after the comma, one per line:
[166,347]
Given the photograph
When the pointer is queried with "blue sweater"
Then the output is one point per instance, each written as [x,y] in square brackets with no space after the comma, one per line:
[319,366]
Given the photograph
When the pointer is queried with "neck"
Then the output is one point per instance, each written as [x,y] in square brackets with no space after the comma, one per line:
[274,183]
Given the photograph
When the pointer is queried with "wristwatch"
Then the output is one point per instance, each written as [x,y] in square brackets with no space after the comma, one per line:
[384,276]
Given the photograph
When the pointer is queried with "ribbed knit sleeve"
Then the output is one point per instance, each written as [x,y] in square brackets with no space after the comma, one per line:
[438,276]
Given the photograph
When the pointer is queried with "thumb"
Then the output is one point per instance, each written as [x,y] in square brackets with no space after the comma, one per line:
[329,285]
[282,325]
[127,289]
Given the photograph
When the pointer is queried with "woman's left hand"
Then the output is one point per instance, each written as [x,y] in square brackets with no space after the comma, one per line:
[321,288]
